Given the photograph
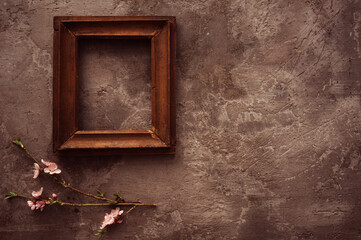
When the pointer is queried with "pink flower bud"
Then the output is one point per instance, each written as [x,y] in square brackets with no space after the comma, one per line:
[54,196]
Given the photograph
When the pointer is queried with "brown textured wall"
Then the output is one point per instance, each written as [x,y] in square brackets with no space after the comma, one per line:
[268,122]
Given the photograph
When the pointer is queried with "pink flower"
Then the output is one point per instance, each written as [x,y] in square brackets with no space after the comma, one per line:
[31,204]
[109,219]
[38,204]
[38,193]
[51,168]
[116,212]
[37,170]
[54,196]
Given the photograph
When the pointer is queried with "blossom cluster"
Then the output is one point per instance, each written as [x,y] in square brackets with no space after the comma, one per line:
[39,203]
[111,218]
[51,168]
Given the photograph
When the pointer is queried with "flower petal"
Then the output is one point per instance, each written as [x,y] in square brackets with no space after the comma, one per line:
[108,220]
[36,166]
[38,193]
[36,173]
[30,203]
[52,166]
[36,170]
[45,162]
[114,213]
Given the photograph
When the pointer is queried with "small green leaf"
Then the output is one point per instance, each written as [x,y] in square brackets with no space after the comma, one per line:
[100,194]
[10,195]
[63,182]
[118,198]
[112,202]
[18,142]
[100,233]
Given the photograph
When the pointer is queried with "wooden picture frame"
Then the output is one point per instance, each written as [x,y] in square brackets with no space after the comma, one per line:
[67,138]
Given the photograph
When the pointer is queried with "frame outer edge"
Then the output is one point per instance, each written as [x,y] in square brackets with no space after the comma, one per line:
[171,75]
[153,82]
[76,69]
[170,79]
[173,80]
[56,82]
[112,18]
[56,23]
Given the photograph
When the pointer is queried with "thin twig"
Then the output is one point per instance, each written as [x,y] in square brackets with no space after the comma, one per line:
[32,157]
[132,208]
[105,204]
[22,196]
[67,185]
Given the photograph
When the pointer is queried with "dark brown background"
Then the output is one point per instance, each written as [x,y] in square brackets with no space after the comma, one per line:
[268,121]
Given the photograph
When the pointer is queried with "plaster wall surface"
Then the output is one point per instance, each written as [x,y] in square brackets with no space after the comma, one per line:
[268,122]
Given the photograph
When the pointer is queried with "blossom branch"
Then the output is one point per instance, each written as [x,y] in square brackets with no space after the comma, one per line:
[12,195]
[67,185]
[105,204]
[57,201]
[37,202]
[62,181]
[131,209]
[18,143]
